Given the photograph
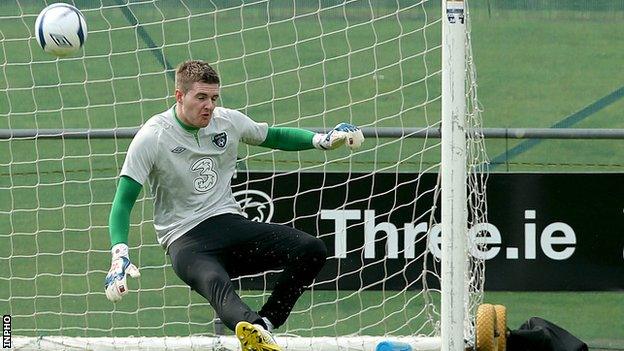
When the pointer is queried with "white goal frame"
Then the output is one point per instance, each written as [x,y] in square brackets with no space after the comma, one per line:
[453,174]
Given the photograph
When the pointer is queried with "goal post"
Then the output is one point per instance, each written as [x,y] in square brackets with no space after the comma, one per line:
[400,216]
[453,176]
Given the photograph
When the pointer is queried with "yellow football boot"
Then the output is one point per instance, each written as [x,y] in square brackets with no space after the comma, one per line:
[254,337]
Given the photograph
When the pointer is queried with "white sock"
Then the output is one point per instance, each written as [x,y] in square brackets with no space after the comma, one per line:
[268,323]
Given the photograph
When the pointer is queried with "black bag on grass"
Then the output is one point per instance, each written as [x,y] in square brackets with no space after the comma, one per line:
[538,334]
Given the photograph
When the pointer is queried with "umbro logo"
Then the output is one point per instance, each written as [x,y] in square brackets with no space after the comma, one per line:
[178,149]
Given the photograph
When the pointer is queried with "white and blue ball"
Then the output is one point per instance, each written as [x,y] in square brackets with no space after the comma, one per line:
[61,29]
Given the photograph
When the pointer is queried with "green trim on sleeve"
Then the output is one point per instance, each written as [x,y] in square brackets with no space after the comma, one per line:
[288,139]
[119,220]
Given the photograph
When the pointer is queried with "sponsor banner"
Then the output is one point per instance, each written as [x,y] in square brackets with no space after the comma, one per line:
[544,231]
[557,232]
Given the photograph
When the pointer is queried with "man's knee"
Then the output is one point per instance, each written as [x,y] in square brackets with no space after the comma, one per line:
[314,250]
[204,276]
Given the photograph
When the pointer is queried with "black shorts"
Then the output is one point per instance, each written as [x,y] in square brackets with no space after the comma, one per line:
[230,245]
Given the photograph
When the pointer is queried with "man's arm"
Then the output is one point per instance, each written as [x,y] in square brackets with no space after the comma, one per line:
[119,225]
[297,139]
[288,139]
[119,220]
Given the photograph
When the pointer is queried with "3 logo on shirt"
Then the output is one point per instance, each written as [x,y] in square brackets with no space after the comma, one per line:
[220,140]
[207,176]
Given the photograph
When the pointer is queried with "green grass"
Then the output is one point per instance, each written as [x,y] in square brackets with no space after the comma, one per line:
[534,69]
[184,312]
[54,255]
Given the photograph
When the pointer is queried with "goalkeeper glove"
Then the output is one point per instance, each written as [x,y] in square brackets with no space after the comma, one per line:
[115,283]
[343,133]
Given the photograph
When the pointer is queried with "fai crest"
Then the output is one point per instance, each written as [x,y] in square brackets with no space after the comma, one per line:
[220,140]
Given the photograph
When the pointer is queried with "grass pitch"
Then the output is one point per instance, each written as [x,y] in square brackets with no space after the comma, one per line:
[535,69]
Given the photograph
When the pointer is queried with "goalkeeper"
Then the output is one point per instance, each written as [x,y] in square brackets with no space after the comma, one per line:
[187,155]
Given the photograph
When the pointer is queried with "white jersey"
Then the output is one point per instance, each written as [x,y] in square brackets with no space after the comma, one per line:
[189,174]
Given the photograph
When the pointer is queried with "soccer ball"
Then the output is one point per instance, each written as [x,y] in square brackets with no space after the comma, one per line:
[61,29]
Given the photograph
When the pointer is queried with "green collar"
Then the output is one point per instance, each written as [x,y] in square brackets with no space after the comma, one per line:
[182,124]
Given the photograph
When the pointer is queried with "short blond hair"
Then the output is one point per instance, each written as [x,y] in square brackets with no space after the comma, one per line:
[192,71]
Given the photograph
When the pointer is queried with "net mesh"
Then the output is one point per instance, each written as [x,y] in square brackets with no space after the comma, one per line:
[309,64]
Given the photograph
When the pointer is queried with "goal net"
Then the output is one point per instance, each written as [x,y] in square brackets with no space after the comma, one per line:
[65,125]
